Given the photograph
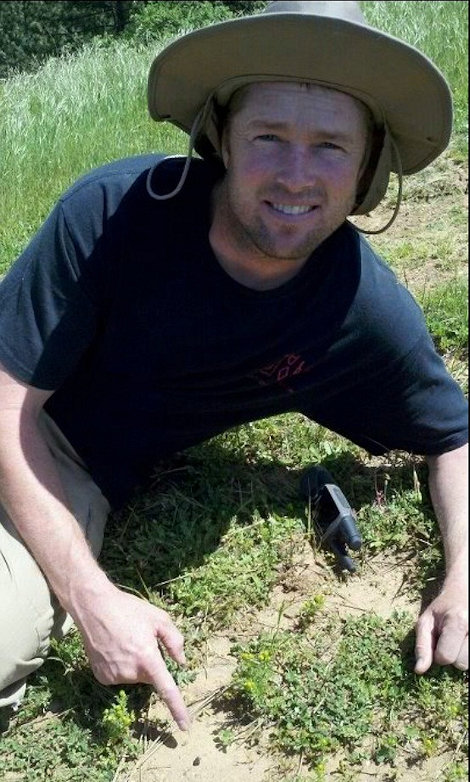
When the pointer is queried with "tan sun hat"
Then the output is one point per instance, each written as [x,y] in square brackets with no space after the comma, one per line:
[326,43]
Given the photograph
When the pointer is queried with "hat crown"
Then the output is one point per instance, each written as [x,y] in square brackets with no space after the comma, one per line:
[348,10]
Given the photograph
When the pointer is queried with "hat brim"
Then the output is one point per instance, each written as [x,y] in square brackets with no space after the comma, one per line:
[381,70]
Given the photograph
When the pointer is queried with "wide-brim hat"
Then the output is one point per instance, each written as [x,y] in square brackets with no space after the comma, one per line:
[327,43]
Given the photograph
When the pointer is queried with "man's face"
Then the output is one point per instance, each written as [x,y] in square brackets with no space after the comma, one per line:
[293,155]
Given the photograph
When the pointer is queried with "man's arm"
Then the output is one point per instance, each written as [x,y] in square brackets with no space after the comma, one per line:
[442,629]
[121,632]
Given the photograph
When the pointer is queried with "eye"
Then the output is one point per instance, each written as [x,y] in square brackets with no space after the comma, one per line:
[267,137]
[329,145]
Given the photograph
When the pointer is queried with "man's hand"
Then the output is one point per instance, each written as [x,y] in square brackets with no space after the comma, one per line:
[442,631]
[122,635]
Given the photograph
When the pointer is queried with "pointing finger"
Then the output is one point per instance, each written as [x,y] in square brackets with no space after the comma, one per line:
[168,691]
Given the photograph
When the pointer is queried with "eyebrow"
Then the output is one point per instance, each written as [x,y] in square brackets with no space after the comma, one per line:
[254,124]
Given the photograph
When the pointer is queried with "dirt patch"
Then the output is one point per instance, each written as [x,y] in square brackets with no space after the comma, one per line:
[430,770]
[380,588]
[199,755]
[427,244]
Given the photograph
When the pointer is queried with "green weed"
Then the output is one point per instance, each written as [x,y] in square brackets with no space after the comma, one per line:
[309,610]
[346,686]
[241,572]
[117,719]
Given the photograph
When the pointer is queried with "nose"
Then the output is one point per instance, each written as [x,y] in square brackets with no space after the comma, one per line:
[297,171]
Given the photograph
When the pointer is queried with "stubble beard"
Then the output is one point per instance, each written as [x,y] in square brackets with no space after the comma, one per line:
[279,246]
[253,236]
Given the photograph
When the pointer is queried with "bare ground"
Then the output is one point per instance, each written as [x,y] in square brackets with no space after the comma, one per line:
[198,756]
[428,241]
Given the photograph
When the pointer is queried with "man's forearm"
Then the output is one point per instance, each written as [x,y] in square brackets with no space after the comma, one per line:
[32,494]
[121,633]
[448,484]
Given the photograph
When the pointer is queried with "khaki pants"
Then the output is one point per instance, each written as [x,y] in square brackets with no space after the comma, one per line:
[29,613]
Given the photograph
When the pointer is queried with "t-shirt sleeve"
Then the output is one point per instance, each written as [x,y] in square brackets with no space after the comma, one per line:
[410,404]
[49,299]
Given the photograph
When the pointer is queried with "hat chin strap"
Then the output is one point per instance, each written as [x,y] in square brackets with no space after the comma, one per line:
[199,122]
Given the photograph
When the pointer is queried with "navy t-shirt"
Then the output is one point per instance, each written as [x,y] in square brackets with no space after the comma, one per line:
[120,306]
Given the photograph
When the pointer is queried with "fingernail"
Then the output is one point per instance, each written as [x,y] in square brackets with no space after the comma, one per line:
[183,724]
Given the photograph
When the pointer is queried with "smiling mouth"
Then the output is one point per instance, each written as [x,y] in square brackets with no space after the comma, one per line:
[289,209]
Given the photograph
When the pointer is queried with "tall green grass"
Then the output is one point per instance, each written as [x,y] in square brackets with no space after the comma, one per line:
[74,113]
[439,30]
[80,111]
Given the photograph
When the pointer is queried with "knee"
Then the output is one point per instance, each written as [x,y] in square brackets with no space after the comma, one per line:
[24,640]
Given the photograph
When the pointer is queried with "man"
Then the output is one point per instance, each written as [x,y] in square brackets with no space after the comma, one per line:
[148,313]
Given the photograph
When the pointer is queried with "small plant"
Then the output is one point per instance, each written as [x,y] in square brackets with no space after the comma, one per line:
[117,719]
[455,772]
[386,750]
[225,737]
[309,611]
[231,576]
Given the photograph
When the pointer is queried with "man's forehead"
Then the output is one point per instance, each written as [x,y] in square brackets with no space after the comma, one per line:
[264,95]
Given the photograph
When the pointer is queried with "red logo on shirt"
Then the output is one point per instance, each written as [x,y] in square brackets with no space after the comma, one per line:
[281,371]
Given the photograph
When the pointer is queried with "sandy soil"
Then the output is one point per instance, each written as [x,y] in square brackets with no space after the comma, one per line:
[197,756]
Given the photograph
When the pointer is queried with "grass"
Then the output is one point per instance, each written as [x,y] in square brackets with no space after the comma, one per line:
[426,25]
[357,696]
[71,115]
[223,525]
[446,309]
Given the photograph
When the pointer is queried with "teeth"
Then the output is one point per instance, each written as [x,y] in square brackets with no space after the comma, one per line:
[287,209]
